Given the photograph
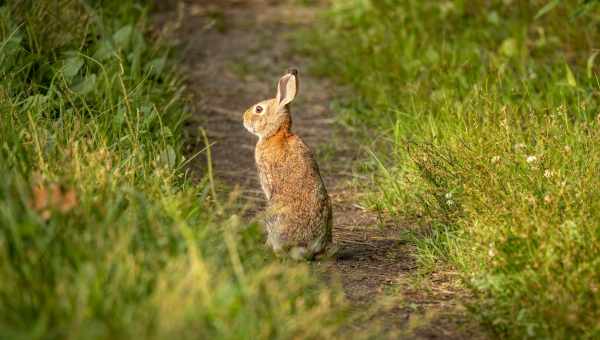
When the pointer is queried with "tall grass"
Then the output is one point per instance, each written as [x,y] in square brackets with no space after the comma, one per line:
[102,233]
[489,112]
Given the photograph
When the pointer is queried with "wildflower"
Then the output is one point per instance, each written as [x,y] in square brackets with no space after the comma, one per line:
[491,251]
[449,201]
[495,159]
[531,159]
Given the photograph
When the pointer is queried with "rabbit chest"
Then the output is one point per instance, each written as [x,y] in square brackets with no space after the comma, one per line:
[287,170]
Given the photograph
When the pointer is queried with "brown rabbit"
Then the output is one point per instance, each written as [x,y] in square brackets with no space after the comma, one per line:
[298,218]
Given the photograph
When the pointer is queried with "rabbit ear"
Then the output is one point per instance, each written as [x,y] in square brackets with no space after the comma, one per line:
[287,88]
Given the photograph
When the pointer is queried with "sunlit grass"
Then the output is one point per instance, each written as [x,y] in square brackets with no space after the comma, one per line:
[489,114]
[102,233]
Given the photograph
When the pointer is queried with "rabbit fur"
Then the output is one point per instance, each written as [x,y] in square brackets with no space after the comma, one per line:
[298,218]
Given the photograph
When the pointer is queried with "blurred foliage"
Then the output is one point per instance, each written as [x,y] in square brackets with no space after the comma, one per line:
[102,233]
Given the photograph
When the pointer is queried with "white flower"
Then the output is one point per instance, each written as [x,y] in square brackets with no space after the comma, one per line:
[450,203]
[495,159]
[448,195]
[531,159]
[491,251]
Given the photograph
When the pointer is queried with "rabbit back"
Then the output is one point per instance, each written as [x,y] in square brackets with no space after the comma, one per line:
[298,218]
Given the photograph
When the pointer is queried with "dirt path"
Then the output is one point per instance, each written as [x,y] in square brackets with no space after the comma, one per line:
[236,50]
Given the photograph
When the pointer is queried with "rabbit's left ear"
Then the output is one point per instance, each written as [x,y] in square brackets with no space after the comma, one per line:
[287,88]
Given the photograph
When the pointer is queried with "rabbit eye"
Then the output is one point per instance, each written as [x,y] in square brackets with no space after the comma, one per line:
[259,109]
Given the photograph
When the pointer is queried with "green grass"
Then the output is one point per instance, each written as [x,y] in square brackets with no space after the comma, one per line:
[102,233]
[488,113]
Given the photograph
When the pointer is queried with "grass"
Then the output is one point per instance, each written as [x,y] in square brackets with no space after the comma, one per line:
[488,113]
[102,232]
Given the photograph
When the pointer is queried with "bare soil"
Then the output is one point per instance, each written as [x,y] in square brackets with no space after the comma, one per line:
[234,52]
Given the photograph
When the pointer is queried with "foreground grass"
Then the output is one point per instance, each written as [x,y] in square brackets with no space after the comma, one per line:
[102,235]
[490,117]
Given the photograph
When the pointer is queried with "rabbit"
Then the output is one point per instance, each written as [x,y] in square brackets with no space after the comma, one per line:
[298,217]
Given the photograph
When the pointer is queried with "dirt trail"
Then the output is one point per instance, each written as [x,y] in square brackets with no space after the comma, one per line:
[235,52]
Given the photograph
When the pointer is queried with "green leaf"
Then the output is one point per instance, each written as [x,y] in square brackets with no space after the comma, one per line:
[168,157]
[590,64]
[104,50]
[133,59]
[11,45]
[87,85]
[122,37]
[150,115]
[35,101]
[570,77]
[156,66]
[509,47]
[118,119]
[547,8]
[71,67]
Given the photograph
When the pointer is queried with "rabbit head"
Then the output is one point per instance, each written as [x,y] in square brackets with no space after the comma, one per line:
[267,117]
